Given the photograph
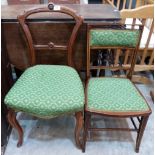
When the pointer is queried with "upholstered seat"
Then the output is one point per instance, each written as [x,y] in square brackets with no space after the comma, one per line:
[107,37]
[114,95]
[47,91]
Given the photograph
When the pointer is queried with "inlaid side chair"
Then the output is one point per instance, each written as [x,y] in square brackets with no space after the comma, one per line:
[47,91]
[114,96]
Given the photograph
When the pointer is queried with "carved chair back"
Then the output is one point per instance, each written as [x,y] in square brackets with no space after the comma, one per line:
[23,20]
[113,39]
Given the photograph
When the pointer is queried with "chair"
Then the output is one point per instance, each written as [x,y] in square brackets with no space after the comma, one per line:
[140,12]
[114,96]
[145,61]
[47,91]
[127,4]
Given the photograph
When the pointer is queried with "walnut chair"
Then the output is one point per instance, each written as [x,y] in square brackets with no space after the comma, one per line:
[114,97]
[47,91]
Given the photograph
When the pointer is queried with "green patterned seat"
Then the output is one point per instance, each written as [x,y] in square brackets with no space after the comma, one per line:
[105,37]
[47,91]
[114,95]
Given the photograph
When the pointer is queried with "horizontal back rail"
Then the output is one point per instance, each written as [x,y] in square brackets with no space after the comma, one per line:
[113,62]
[50,9]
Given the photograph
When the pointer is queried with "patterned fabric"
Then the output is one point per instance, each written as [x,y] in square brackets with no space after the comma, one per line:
[114,95]
[47,91]
[102,37]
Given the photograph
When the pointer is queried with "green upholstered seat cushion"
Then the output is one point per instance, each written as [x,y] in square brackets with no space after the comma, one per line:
[105,37]
[114,95]
[47,91]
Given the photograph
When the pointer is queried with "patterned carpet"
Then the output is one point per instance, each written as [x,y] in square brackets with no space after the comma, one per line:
[56,136]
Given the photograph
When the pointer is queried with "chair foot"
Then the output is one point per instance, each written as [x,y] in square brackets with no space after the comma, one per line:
[78,128]
[85,133]
[142,126]
[14,123]
[152,95]
[137,150]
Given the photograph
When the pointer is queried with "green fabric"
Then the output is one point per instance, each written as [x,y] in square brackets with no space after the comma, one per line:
[127,38]
[47,91]
[114,95]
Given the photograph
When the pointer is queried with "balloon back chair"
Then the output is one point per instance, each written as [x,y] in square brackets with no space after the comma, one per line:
[113,96]
[47,91]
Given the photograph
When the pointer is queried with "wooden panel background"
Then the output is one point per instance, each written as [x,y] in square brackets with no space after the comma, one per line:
[43,33]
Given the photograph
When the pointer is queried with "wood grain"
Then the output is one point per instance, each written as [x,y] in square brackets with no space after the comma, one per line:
[57,29]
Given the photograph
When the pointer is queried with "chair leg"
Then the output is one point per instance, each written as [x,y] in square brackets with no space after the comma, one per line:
[141,131]
[87,123]
[152,95]
[78,128]
[14,123]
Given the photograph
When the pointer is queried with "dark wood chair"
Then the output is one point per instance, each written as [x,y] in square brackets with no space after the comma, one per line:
[47,91]
[114,96]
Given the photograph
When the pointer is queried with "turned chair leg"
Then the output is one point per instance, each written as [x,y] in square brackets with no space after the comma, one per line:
[87,123]
[78,128]
[14,123]
[141,131]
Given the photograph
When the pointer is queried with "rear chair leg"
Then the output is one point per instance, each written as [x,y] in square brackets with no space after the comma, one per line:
[14,123]
[141,131]
[78,128]
[86,126]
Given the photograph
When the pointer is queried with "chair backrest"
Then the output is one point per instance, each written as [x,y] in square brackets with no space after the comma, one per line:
[65,1]
[112,37]
[128,4]
[50,46]
[142,15]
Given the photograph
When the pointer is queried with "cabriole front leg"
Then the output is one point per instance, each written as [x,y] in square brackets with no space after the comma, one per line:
[14,123]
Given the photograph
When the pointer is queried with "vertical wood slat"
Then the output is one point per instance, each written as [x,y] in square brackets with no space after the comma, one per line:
[130,4]
[138,3]
[126,57]
[118,4]
[124,3]
[111,2]
[147,43]
[131,56]
[141,2]
[151,58]
[88,57]
[118,52]
[133,23]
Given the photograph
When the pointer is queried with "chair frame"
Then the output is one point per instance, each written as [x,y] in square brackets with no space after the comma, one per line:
[143,10]
[142,117]
[50,46]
